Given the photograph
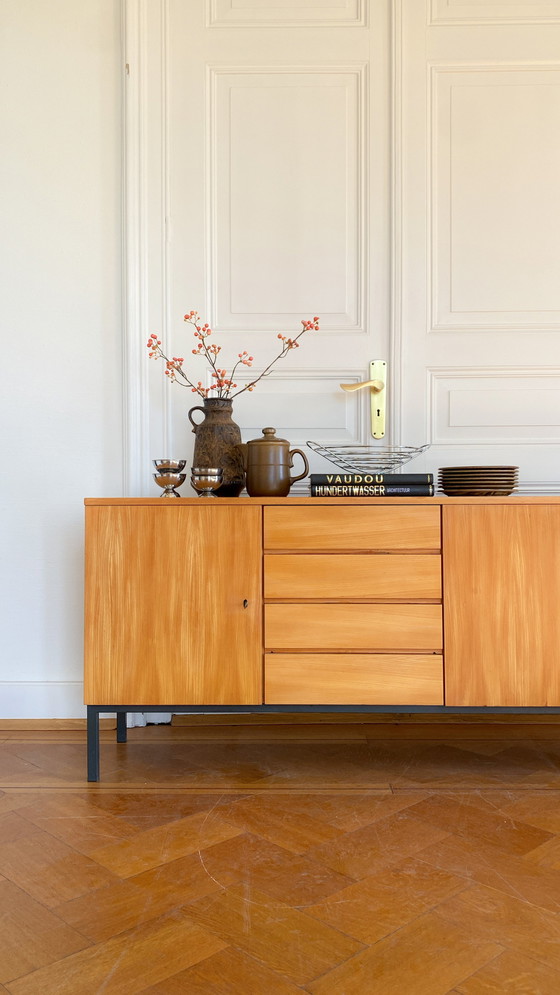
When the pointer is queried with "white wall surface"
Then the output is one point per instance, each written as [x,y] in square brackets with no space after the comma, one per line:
[60,320]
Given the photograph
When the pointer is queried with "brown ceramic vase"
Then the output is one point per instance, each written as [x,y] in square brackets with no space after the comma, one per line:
[217,441]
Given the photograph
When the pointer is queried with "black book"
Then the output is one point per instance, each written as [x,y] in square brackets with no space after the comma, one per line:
[372,490]
[341,477]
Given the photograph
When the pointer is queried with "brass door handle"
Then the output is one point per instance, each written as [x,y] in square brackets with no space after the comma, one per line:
[375,385]
[378,395]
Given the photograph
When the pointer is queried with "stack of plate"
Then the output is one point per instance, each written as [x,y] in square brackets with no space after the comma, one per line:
[477,480]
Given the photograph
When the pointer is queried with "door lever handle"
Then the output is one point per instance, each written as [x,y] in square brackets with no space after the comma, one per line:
[375,385]
[378,395]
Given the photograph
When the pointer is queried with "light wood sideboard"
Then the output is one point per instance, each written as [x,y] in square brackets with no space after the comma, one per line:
[256,604]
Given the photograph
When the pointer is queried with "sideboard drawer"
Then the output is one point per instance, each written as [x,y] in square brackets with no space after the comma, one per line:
[353,679]
[360,528]
[406,576]
[353,627]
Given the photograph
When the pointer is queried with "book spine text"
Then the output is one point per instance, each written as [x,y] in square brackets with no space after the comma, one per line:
[394,479]
[372,490]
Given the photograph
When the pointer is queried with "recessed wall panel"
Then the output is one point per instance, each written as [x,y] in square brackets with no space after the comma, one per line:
[301,406]
[491,12]
[286,204]
[496,198]
[488,406]
[285,13]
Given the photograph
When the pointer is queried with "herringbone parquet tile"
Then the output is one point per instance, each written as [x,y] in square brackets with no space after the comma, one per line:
[333,859]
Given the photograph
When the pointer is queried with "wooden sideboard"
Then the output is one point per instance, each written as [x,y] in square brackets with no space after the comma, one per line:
[246,604]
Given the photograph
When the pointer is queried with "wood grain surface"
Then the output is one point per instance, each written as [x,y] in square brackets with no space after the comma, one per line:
[382,859]
[346,575]
[353,627]
[501,605]
[352,528]
[351,679]
[165,618]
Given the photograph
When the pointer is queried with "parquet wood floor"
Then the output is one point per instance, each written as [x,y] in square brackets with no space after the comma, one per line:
[333,858]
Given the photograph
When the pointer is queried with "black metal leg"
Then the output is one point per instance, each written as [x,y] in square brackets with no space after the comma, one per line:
[121,727]
[92,743]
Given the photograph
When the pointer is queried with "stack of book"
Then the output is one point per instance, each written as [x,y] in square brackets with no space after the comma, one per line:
[371,484]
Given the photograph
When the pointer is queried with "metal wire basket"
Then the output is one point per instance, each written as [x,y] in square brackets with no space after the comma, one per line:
[367,459]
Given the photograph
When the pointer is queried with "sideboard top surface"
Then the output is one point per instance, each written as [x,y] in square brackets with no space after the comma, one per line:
[442,499]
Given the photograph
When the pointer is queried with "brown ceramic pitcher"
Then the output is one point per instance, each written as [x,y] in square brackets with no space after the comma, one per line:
[268,462]
[217,440]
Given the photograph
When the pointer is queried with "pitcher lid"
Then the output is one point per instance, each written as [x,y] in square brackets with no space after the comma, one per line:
[269,436]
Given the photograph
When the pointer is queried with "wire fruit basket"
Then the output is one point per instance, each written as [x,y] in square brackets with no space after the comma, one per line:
[367,459]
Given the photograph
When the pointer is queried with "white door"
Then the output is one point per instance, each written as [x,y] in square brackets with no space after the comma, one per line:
[477,144]
[389,166]
[262,183]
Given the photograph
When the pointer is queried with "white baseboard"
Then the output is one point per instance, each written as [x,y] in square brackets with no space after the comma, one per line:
[42,700]
[56,700]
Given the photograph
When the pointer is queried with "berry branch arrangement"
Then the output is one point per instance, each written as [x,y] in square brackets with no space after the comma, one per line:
[223,384]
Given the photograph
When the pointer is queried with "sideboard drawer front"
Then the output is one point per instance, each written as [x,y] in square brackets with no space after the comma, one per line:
[346,528]
[315,576]
[353,679]
[353,627]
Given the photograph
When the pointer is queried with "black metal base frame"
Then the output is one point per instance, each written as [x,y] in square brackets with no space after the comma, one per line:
[94,711]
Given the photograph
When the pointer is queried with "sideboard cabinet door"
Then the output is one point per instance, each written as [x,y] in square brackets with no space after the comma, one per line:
[501,579]
[173,605]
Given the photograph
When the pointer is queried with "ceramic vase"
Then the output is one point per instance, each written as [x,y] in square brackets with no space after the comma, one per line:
[217,441]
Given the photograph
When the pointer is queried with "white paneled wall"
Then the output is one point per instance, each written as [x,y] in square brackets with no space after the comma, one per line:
[477,241]
[272,151]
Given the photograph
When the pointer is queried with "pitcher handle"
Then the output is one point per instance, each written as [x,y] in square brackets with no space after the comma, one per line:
[304,458]
[195,424]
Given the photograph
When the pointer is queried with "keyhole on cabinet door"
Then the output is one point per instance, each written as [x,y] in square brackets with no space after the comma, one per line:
[245,603]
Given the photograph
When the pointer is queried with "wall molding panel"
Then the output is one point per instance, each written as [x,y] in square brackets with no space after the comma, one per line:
[146,401]
[285,13]
[494,406]
[396,402]
[497,416]
[260,209]
[508,279]
[482,12]
[334,416]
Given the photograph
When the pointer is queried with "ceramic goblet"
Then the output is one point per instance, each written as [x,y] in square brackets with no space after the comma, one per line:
[206,479]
